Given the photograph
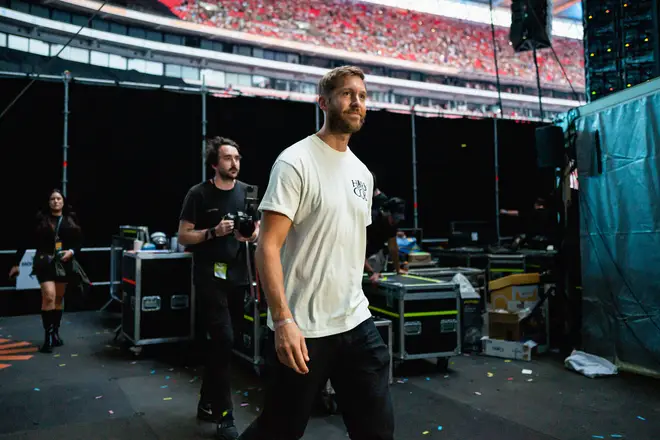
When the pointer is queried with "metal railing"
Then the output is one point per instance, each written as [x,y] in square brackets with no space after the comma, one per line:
[88,249]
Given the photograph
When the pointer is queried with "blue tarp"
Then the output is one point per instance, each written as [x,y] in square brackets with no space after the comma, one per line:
[619,178]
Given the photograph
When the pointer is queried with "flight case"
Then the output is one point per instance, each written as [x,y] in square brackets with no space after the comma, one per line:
[473,304]
[158,303]
[425,316]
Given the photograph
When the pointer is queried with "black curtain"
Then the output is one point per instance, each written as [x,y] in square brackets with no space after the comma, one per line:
[263,128]
[384,144]
[455,172]
[31,136]
[519,179]
[134,154]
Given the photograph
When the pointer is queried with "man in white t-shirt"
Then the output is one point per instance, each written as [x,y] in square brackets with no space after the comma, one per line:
[310,259]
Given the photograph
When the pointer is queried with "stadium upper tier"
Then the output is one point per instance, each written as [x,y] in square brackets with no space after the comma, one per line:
[388,32]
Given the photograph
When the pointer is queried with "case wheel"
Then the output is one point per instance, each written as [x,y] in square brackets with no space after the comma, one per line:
[442,364]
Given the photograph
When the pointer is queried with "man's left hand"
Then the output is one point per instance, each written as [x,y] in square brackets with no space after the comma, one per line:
[239,237]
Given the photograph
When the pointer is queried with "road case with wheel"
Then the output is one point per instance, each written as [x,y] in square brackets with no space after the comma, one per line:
[424,313]
[384,327]
[252,330]
[158,304]
[473,304]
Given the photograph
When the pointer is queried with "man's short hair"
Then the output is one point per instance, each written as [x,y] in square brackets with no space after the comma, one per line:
[213,145]
[331,80]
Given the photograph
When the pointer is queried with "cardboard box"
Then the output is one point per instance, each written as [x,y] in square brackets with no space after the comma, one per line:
[508,349]
[514,292]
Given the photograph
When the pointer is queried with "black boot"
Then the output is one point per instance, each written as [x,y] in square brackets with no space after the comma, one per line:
[47,321]
[57,318]
[226,429]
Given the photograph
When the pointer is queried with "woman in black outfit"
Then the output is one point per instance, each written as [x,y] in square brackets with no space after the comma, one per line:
[57,240]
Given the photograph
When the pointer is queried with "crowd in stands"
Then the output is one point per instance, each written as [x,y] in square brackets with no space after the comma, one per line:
[389,32]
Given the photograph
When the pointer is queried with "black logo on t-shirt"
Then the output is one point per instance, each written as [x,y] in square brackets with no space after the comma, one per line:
[360,189]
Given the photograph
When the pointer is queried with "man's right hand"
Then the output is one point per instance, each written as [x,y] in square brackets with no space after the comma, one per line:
[291,347]
[374,277]
[225,227]
[14,271]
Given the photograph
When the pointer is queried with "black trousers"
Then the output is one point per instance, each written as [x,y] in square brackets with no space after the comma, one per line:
[220,312]
[357,362]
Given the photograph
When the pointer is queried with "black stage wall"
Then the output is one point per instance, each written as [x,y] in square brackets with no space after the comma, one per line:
[134,153]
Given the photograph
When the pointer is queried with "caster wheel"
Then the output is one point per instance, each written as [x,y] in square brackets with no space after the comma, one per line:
[137,351]
[442,364]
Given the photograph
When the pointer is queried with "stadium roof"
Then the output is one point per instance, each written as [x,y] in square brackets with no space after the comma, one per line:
[569,9]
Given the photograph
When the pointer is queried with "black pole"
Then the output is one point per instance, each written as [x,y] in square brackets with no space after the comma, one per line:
[538,82]
[497,68]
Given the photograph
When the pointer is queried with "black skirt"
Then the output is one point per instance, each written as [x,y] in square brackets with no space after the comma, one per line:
[43,267]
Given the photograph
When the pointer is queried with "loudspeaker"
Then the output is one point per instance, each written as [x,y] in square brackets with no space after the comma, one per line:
[549,147]
[531,24]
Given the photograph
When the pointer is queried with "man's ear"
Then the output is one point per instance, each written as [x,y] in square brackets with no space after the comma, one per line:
[323,103]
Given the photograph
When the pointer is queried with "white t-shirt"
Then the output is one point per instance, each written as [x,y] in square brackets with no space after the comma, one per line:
[327,195]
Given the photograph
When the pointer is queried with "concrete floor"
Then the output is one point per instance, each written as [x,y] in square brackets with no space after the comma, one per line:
[91,389]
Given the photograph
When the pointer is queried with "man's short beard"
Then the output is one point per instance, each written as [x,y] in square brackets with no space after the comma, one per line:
[225,175]
[338,125]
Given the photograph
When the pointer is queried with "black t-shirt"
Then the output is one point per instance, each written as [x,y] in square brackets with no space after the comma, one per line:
[378,233]
[377,203]
[205,206]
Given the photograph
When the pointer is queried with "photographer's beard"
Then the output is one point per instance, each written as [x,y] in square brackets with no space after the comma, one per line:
[227,175]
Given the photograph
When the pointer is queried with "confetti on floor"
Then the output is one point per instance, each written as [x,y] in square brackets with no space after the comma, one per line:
[526,371]
[244,404]
[98,397]
[490,374]
[167,398]
[425,433]
[641,418]
[37,389]
[111,412]
[439,428]
[62,365]
[164,386]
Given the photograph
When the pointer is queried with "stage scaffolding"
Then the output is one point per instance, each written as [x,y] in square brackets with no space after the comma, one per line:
[204,91]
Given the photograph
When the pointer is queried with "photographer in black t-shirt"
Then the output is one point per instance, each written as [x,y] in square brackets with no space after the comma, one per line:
[220,273]
[382,231]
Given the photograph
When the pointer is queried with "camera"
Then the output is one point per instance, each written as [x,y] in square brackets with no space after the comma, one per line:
[245,221]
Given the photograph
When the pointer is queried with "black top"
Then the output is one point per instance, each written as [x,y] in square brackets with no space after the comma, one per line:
[378,233]
[538,222]
[205,206]
[42,237]
[377,203]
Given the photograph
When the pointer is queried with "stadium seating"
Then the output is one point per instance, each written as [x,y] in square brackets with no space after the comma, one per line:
[388,32]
